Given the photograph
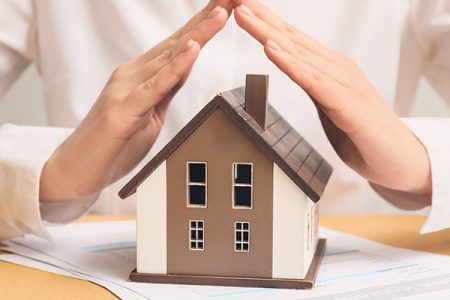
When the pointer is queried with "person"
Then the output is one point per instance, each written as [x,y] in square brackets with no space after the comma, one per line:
[56,174]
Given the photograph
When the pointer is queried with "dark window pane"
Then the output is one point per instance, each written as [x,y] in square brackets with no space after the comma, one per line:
[243,196]
[245,236]
[243,173]
[197,172]
[200,245]
[200,224]
[193,234]
[197,195]
[200,234]
[245,226]
[238,247]
[245,247]
[238,225]
[192,224]
[238,236]
[193,245]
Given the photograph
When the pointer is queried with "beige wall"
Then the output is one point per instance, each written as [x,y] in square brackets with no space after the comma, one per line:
[151,235]
[290,259]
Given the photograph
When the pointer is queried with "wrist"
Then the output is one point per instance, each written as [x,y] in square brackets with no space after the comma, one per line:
[56,182]
[419,179]
[401,199]
[47,185]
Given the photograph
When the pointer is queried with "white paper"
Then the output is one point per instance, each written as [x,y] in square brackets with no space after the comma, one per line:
[352,268]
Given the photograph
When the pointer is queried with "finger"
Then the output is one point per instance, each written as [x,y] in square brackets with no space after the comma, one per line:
[266,15]
[135,149]
[207,28]
[202,33]
[327,92]
[262,31]
[333,98]
[163,106]
[149,93]
[200,16]
[158,113]
[181,32]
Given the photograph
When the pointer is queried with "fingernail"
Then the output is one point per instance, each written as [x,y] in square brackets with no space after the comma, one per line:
[214,12]
[245,10]
[188,45]
[274,46]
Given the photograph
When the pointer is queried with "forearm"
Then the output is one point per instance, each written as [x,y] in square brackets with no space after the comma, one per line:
[414,191]
[402,199]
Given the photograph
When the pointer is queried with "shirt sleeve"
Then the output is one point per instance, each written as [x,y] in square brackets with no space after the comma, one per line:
[23,153]
[431,23]
[25,149]
[434,133]
[16,39]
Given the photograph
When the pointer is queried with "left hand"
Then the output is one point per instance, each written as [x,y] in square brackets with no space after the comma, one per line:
[364,131]
[129,113]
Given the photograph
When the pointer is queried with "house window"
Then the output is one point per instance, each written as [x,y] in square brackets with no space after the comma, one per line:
[196,184]
[196,235]
[242,185]
[242,237]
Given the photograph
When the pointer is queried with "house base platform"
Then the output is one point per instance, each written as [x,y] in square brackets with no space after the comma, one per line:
[306,283]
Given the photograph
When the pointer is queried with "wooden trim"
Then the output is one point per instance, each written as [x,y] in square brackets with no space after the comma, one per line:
[196,229]
[130,188]
[189,183]
[242,230]
[233,185]
[306,283]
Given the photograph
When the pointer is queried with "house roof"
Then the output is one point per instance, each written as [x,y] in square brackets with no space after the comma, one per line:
[280,142]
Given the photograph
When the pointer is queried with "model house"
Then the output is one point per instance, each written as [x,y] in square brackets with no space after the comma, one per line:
[231,199]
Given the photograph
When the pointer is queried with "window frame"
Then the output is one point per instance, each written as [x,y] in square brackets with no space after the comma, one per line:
[241,242]
[234,184]
[189,184]
[196,240]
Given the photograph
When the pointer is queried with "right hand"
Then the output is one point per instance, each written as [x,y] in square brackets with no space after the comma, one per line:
[365,132]
[126,119]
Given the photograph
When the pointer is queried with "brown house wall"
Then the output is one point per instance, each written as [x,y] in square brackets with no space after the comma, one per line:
[219,143]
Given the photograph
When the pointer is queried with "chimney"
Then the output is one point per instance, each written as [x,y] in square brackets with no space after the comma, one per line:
[256,93]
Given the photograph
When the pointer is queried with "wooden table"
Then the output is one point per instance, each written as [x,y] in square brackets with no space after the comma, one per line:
[18,282]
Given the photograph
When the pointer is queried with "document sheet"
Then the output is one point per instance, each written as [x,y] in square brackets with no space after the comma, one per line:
[352,268]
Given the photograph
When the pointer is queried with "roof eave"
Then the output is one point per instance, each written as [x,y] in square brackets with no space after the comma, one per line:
[246,128]
[130,188]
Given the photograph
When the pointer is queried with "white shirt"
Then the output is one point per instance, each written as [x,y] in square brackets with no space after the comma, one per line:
[77,44]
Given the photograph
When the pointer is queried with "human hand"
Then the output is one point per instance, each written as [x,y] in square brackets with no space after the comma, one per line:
[127,117]
[366,134]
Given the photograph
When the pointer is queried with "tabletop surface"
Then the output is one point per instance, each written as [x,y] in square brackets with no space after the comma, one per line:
[18,282]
